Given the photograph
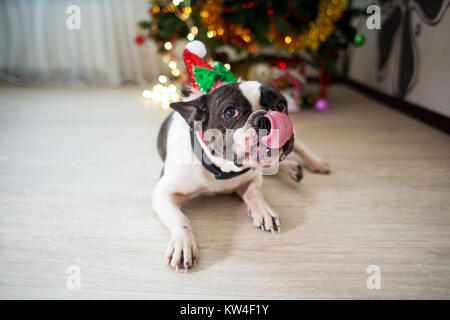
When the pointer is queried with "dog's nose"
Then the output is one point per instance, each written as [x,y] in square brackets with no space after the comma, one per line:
[261,122]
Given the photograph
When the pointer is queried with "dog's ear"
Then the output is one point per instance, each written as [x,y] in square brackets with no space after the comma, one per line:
[193,110]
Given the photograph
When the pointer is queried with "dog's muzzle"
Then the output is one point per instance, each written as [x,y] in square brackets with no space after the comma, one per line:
[263,137]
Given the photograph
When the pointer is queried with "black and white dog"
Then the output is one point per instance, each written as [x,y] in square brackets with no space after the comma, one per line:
[194,163]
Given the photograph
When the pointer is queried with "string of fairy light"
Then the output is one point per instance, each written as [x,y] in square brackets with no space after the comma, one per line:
[162,94]
[166,92]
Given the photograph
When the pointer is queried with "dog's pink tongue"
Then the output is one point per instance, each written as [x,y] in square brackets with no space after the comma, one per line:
[281,122]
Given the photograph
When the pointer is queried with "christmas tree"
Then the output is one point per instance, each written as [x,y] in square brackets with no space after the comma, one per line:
[321,30]
[320,27]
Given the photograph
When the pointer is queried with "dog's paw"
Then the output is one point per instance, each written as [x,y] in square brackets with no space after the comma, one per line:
[292,169]
[316,164]
[182,251]
[296,173]
[264,218]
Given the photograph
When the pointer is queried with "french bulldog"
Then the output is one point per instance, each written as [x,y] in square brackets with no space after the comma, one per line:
[231,159]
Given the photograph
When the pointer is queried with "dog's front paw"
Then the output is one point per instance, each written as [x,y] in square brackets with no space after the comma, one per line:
[182,250]
[264,218]
[292,169]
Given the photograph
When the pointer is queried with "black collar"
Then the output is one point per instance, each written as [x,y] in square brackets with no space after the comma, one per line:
[215,170]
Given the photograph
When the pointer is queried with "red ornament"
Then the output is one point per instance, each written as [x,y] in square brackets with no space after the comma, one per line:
[139,40]
[282,64]
[270,12]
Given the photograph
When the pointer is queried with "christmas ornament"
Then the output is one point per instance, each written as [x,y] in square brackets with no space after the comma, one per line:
[139,40]
[309,100]
[259,71]
[321,104]
[358,39]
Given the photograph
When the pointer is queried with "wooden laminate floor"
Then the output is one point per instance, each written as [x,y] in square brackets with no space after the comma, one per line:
[77,167]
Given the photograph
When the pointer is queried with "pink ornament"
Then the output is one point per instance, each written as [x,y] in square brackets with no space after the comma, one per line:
[321,104]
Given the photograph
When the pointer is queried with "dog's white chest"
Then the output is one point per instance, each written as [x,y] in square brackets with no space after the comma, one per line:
[185,172]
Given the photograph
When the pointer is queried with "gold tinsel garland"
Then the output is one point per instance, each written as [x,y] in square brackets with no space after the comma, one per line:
[227,32]
[318,31]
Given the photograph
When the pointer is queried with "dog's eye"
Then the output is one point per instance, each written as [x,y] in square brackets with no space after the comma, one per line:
[280,106]
[230,113]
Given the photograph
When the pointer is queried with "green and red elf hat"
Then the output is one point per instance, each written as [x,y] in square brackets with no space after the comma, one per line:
[202,75]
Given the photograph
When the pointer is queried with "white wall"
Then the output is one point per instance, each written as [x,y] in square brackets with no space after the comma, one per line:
[431,89]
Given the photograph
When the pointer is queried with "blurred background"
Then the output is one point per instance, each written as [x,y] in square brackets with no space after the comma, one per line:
[37,46]
[287,43]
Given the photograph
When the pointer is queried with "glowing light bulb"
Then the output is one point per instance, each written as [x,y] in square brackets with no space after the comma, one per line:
[210,34]
[227,65]
[174,96]
[172,88]
[287,39]
[156,96]
[162,78]
[172,64]
[194,30]
[146,94]
[168,45]
[190,36]
[176,72]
